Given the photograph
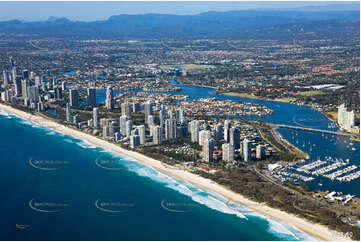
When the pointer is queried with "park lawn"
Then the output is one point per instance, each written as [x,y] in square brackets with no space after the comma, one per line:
[311,93]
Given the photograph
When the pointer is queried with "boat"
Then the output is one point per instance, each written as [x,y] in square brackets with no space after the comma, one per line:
[320,184]
[353,148]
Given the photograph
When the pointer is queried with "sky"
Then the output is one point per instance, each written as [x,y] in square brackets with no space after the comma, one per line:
[91,11]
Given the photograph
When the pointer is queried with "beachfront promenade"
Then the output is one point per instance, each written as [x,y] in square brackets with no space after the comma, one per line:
[309,129]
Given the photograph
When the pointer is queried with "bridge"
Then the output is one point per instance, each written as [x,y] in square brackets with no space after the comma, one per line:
[309,129]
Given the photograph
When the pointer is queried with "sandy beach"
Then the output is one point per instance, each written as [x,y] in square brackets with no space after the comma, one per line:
[315,230]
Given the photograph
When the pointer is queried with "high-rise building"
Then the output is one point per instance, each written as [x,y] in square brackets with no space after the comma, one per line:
[109,102]
[123,124]
[227,128]
[134,141]
[235,139]
[150,120]
[219,131]
[183,130]
[26,74]
[247,152]
[171,114]
[227,152]
[13,73]
[179,115]
[194,129]
[170,129]
[58,93]
[126,109]
[141,132]
[37,81]
[73,96]
[18,88]
[105,131]
[204,135]
[157,135]
[136,107]
[68,113]
[32,93]
[128,127]
[63,85]
[345,119]
[148,110]
[260,152]
[6,78]
[92,98]
[162,115]
[96,117]
[112,128]
[207,150]
[24,88]
[11,62]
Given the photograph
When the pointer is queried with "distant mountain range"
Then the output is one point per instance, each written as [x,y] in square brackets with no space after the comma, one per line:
[261,24]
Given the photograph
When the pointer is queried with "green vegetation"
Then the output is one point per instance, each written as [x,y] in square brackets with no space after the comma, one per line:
[311,93]
[246,182]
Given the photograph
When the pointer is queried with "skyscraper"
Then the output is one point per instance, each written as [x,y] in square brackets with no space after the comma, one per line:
[179,115]
[123,124]
[92,98]
[345,119]
[170,129]
[32,93]
[136,107]
[37,81]
[68,113]
[17,85]
[24,88]
[63,85]
[194,129]
[141,132]
[126,109]
[227,152]
[157,135]
[150,120]
[148,110]
[207,150]
[247,152]
[96,117]
[134,141]
[6,78]
[13,73]
[128,127]
[235,138]
[183,130]
[203,136]
[58,93]
[26,74]
[227,128]
[109,102]
[161,115]
[73,96]
[219,131]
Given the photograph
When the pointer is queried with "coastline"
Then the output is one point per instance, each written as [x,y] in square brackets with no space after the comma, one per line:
[316,230]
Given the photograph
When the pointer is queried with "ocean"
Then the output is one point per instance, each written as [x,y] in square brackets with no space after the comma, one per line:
[55,187]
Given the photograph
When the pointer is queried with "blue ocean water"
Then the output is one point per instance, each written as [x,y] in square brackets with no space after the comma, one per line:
[80,200]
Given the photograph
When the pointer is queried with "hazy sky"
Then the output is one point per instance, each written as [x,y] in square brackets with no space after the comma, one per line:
[89,11]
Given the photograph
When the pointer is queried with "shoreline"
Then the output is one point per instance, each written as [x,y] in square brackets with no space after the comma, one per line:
[316,230]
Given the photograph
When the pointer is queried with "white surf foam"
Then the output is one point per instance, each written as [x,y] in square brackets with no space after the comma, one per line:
[217,202]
